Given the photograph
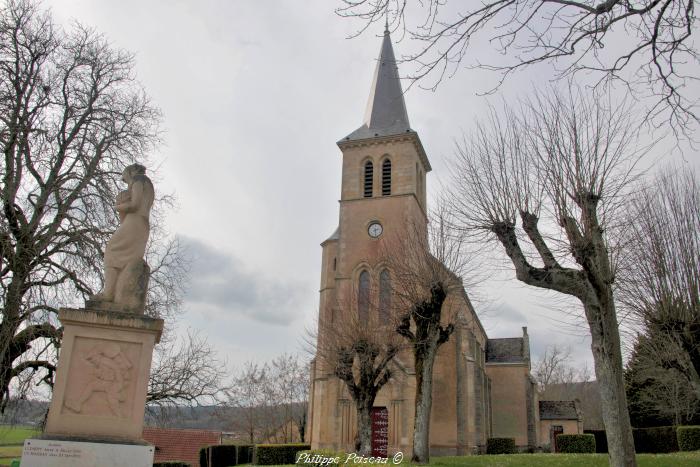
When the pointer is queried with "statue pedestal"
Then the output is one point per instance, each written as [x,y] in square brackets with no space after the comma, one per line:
[101,381]
[102,374]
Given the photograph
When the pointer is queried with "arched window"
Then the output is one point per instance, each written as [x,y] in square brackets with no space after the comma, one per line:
[363,297]
[384,295]
[369,176]
[421,185]
[386,177]
[417,182]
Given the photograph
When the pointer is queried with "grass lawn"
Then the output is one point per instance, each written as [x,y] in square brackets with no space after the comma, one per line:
[7,453]
[14,435]
[679,459]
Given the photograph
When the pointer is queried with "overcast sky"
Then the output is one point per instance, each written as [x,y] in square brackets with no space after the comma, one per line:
[255,94]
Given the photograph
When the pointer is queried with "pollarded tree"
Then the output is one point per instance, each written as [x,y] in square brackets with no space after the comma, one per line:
[427,286]
[71,117]
[647,46]
[546,182]
[358,348]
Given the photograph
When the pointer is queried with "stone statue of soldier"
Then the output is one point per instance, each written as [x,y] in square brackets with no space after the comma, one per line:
[126,271]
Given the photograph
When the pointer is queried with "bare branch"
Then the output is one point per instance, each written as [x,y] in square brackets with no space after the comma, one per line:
[650,43]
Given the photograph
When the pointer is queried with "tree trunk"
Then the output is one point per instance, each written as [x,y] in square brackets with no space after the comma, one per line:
[363,444]
[11,321]
[424,402]
[607,357]
[8,329]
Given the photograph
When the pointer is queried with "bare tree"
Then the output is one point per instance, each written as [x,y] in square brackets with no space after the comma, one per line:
[426,267]
[289,378]
[358,348]
[560,380]
[554,367]
[569,158]
[647,46]
[660,280]
[186,372]
[249,394]
[71,117]
[267,402]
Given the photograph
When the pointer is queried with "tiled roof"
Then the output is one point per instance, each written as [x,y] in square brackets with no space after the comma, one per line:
[334,236]
[558,410]
[180,445]
[386,110]
[506,350]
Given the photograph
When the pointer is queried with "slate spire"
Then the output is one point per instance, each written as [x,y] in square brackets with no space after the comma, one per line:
[386,110]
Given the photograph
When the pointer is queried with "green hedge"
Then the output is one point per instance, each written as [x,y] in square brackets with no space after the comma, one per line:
[601,440]
[315,458]
[689,438]
[500,446]
[576,443]
[171,464]
[277,454]
[656,440]
[219,455]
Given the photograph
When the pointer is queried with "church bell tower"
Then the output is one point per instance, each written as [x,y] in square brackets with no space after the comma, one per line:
[383,186]
[383,190]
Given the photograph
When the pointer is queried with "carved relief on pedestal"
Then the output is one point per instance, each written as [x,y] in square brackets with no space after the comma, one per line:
[103,377]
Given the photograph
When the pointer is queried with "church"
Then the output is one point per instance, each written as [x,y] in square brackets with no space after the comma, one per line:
[482,387]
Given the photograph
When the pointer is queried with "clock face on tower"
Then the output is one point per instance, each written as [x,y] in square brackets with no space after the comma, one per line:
[375,229]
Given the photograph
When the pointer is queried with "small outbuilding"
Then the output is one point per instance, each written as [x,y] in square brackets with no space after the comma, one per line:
[556,418]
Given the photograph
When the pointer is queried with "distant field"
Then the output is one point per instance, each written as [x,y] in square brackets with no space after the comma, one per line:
[15,435]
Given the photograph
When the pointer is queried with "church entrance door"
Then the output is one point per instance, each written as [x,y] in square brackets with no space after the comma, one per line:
[380,431]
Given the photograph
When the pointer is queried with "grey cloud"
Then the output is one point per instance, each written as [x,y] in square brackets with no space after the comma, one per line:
[507,313]
[220,280]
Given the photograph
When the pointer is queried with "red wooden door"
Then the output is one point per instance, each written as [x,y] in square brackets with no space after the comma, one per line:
[380,431]
[554,431]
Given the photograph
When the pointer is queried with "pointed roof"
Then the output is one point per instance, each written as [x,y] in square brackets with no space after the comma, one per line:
[386,110]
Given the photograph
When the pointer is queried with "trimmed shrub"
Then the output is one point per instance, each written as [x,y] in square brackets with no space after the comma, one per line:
[278,454]
[656,440]
[601,441]
[500,446]
[219,455]
[171,464]
[320,458]
[576,443]
[689,438]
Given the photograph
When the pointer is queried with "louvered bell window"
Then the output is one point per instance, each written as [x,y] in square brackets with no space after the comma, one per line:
[386,177]
[369,175]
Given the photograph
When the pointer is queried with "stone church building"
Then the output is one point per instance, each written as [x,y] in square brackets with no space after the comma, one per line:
[482,387]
